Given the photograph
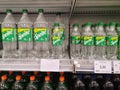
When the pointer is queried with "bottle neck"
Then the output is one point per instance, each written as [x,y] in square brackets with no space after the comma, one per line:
[88,28]
[100,28]
[9,13]
[112,28]
[25,13]
[75,29]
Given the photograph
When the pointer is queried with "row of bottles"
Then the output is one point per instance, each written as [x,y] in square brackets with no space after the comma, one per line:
[96,82]
[34,81]
[99,41]
[29,40]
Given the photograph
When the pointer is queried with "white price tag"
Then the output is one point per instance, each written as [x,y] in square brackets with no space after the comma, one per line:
[49,65]
[102,67]
[116,67]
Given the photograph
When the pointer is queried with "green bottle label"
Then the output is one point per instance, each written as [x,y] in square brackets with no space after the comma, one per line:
[8,34]
[56,41]
[41,35]
[88,40]
[60,31]
[75,39]
[112,40]
[25,34]
[100,40]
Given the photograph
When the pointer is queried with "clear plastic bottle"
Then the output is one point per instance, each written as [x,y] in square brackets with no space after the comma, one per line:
[93,84]
[100,42]
[9,36]
[87,42]
[47,84]
[57,41]
[112,42]
[32,85]
[79,85]
[3,83]
[25,36]
[75,43]
[118,31]
[108,84]
[61,85]
[18,85]
[62,31]
[41,36]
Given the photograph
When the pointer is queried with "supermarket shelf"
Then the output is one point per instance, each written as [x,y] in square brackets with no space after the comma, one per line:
[50,6]
[31,65]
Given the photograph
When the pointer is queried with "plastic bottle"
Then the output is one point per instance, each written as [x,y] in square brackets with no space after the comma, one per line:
[100,42]
[75,43]
[61,85]
[93,85]
[32,85]
[57,41]
[116,82]
[11,78]
[3,84]
[25,36]
[79,85]
[47,84]
[41,36]
[100,80]
[87,42]
[18,85]
[112,42]
[9,36]
[118,31]
[108,84]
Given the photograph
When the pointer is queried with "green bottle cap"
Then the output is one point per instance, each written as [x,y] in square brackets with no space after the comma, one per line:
[101,24]
[118,24]
[112,24]
[58,13]
[75,25]
[56,24]
[25,11]
[41,10]
[87,24]
[9,11]
[106,25]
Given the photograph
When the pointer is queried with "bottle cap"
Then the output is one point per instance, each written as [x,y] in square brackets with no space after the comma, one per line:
[112,24]
[41,10]
[23,72]
[101,24]
[25,11]
[56,24]
[61,73]
[35,72]
[61,79]
[118,24]
[48,73]
[18,77]
[32,78]
[106,25]
[47,78]
[58,13]
[87,24]
[4,77]
[75,25]
[9,11]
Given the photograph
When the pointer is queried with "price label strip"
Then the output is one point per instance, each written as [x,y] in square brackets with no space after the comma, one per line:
[102,67]
[116,67]
[49,65]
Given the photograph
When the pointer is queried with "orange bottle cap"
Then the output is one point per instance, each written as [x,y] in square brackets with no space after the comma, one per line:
[18,77]
[62,79]
[10,72]
[23,72]
[48,73]
[4,77]
[61,73]
[35,72]
[32,78]
[47,78]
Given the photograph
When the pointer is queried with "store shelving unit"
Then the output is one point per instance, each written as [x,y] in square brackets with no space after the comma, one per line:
[72,11]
